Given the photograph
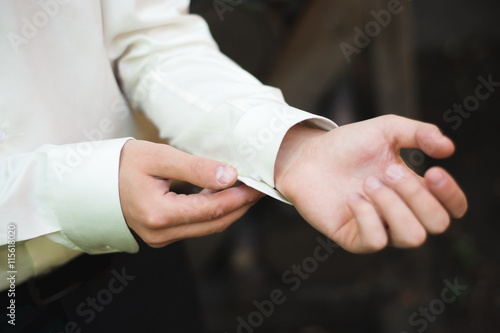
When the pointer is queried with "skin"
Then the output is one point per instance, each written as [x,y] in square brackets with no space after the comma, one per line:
[352,185]
[160,216]
[349,183]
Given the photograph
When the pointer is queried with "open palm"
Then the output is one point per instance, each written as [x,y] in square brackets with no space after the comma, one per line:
[352,185]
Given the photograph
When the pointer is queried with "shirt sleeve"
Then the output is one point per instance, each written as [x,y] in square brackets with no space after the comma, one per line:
[67,194]
[170,68]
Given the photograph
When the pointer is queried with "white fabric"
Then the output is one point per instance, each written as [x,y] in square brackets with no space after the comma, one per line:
[67,69]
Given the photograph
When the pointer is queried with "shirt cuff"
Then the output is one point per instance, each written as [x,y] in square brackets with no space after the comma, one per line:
[83,181]
[258,136]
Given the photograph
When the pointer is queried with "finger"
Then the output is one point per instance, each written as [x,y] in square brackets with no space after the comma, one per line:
[407,133]
[447,191]
[169,162]
[199,229]
[184,209]
[370,235]
[424,205]
[404,228]
[207,191]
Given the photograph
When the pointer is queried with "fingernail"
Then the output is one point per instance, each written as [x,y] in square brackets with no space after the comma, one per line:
[436,179]
[372,183]
[224,175]
[396,172]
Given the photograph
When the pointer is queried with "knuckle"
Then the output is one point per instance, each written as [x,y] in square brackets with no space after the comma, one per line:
[220,228]
[153,222]
[155,245]
[215,211]
[441,223]
[157,240]
[198,167]
[415,238]
[434,129]
[364,208]
[184,212]
[152,239]
[432,134]
[411,187]
[374,244]
[428,137]
[389,117]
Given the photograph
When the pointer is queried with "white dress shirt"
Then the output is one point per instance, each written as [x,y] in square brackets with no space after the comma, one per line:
[71,71]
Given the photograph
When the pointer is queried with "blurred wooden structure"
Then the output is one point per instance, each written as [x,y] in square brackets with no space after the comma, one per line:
[313,58]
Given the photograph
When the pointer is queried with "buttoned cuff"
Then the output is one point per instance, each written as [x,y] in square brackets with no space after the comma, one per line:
[258,136]
[83,181]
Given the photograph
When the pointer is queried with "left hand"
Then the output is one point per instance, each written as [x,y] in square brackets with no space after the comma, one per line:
[352,185]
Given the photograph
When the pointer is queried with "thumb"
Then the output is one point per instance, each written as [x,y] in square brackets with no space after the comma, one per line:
[169,162]
[407,133]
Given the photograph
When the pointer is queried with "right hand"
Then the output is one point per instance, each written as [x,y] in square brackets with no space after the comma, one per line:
[161,217]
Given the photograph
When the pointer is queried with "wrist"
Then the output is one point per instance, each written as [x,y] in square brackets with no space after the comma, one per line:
[293,148]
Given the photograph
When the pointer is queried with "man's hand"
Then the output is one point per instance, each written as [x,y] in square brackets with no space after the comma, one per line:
[351,184]
[161,217]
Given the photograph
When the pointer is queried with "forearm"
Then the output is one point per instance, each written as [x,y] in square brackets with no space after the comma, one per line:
[200,100]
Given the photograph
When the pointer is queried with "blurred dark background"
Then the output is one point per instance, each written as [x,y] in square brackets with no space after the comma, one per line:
[427,59]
